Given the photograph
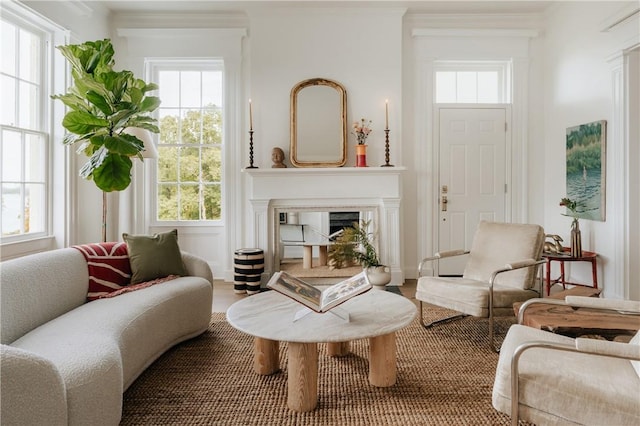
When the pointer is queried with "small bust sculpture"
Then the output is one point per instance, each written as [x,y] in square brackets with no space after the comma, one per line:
[277,156]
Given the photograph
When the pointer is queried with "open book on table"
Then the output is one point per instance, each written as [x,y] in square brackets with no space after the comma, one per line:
[314,298]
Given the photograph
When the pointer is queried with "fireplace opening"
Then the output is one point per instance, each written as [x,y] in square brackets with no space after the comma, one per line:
[315,229]
[340,220]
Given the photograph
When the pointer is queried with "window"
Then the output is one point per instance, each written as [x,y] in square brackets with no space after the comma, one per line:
[472,82]
[24,138]
[189,168]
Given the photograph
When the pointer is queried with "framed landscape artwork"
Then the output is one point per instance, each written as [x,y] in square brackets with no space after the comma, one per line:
[586,148]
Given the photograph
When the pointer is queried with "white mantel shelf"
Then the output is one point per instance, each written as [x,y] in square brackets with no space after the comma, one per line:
[377,189]
[324,170]
[325,183]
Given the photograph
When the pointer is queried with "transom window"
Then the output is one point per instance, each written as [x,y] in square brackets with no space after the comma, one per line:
[472,82]
[24,140]
[189,168]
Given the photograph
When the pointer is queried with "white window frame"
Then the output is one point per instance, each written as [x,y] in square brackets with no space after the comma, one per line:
[25,19]
[186,64]
[502,68]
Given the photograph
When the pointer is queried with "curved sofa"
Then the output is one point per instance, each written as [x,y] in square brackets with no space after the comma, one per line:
[66,361]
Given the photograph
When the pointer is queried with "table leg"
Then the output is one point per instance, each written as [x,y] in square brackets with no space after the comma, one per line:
[322,255]
[307,257]
[548,265]
[302,385]
[265,356]
[338,348]
[382,360]
[594,272]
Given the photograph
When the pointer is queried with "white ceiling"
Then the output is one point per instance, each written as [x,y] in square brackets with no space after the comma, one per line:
[415,6]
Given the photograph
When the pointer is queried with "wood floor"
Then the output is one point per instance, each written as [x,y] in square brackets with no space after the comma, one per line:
[223,295]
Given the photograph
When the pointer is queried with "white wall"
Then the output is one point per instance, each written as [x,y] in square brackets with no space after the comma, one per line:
[360,48]
[578,89]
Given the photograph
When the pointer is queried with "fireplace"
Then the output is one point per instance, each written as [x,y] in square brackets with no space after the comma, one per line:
[340,220]
[376,191]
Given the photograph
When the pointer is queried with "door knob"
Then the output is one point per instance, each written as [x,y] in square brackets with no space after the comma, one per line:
[443,203]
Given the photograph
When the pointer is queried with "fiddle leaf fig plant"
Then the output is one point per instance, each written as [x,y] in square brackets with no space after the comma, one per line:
[102,104]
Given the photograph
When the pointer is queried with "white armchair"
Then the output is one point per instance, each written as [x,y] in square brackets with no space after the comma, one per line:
[502,267]
[561,380]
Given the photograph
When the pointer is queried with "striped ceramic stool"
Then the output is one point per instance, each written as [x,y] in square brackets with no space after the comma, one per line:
[247,270]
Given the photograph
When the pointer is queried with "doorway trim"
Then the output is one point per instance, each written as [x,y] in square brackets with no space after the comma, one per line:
[508,172]
[452,44]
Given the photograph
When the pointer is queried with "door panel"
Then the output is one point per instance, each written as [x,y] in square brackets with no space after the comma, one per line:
[472,149]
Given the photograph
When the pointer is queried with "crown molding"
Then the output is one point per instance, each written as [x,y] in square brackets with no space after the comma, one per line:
[180,20]
[623,17]
[475,20]
[473,32]
[180,32]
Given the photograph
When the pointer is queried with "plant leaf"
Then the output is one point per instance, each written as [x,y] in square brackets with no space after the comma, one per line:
[100,102]
[81,122]
[114,174]
[96,159]
[136,95]
[149,87]
[150,103]
[123,144]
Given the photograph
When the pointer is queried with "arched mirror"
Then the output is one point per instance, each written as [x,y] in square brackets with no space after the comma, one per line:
[318,124]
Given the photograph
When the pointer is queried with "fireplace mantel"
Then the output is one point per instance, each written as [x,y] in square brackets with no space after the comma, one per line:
[368,188]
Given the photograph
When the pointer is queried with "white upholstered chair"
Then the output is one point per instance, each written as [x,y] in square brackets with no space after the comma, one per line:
[501,269]
[561,380]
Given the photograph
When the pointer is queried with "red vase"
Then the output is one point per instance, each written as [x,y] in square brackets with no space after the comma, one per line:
[361,155]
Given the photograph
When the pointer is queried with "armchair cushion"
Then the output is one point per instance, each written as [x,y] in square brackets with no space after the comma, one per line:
[636,341]
[497,244]
[469,296]
[566,387]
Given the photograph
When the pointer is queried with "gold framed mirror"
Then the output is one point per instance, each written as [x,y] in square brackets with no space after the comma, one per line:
[318,124]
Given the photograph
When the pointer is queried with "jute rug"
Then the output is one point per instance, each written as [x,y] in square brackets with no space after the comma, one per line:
[445,377]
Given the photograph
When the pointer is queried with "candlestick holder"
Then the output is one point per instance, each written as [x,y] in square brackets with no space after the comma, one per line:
[386,149]
[251,166]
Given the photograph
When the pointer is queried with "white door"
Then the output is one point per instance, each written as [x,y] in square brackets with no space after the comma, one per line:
[472,178]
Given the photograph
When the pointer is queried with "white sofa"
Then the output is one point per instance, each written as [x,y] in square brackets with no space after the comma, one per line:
[66,361]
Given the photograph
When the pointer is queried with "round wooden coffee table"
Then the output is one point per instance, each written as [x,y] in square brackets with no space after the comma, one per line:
[269,317]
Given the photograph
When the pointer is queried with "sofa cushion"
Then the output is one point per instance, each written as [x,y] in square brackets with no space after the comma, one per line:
[154,256]
[109,267]
[38,288]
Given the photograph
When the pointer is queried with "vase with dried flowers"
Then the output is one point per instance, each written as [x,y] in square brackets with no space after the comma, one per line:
[576,236]
[361,129]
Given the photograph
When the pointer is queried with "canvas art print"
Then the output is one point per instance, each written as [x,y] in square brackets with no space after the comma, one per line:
[586,169]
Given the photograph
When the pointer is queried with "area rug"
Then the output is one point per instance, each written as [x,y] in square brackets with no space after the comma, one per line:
[445,377]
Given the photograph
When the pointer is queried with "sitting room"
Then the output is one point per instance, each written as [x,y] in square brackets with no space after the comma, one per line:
[459,178]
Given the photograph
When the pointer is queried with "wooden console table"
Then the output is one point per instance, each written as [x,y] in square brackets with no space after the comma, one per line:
[574,323]
[565,256]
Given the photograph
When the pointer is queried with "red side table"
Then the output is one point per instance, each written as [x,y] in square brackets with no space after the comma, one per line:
[565,256]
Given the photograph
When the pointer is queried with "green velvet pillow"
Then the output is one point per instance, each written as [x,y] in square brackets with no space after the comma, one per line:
[154,256]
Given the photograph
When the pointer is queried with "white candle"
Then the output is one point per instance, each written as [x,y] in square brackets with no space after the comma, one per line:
[250,116]
[386,112]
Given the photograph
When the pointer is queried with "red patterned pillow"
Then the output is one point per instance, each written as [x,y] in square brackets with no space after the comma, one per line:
[109,267]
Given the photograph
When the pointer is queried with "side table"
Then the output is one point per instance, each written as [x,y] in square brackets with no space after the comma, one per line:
[567,321]
[565,256]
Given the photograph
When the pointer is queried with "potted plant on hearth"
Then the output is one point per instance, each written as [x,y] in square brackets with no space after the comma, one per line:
[355,246]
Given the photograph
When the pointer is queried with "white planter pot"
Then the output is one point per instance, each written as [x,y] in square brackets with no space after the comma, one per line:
[378,276]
